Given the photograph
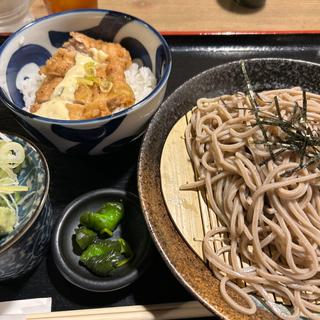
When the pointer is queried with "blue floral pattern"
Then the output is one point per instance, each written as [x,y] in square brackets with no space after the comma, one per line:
[88,139]
[25,253]
[137,51]
[31,53]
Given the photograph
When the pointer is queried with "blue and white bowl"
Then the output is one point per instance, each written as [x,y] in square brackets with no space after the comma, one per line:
[36,42]
[22,249]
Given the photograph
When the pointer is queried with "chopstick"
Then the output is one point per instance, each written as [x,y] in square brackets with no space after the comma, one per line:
[178,310]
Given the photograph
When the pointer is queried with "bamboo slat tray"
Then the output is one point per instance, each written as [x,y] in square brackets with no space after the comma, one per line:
[188,209]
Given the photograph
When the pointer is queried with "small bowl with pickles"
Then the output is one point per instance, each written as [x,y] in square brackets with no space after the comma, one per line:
[101,242]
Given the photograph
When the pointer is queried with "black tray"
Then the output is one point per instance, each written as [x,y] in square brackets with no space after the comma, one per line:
[73,176]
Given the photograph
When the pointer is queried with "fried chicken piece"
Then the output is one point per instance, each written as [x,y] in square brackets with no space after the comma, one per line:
[82,43]
[75,111]
[96,109]
[90,110]
[110,70]
[115,71]
[59,63]
[120,95]
[101,71]
[46,89]
[83,94]
[109,89]
[35,107]
[94,103]
[116,52]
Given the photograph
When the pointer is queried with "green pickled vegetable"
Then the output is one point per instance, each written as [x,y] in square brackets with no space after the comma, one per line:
[105,220]
[103,264]
[103,256]
[99,255]
[125,249]
[99,247]
[84,237]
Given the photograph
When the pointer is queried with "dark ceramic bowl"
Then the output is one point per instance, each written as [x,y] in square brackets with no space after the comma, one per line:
[22,249]
[132,228]
[189,269]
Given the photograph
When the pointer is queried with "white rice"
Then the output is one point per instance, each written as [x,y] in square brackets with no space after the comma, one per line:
[28,82]
[140,79]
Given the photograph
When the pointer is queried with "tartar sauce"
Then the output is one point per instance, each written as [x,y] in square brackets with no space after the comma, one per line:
[64,92]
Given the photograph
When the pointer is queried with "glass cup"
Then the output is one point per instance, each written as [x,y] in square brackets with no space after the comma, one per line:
[251,3]
[14,14]
[62,5]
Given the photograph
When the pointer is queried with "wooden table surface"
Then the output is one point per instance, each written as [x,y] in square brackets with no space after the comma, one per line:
[216,16]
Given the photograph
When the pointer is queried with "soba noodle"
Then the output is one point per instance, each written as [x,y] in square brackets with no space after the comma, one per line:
[267,201]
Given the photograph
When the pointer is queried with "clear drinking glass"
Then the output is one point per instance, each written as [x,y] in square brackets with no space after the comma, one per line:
[14,14]
[251,3]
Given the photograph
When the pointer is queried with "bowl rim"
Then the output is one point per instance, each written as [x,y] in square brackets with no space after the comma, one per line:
[44,195]
[163,80]
[70,274]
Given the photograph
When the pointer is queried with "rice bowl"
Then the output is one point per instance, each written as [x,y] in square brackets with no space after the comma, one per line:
[41,40]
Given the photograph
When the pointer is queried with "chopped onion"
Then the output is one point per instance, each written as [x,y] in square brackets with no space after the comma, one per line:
[12,155]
